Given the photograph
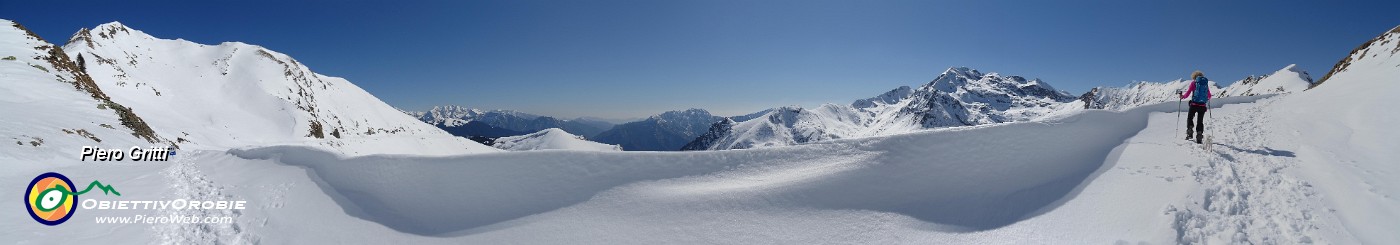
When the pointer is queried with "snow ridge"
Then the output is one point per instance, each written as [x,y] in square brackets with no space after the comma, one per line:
[551,139]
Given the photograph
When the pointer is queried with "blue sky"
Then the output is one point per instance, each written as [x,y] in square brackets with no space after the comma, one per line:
[621,59]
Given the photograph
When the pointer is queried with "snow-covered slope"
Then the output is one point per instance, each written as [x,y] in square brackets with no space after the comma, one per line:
[1287,80]
[1360,53]
[960,96]
[1346,128]
[551,139]
[235,94]
[49,107]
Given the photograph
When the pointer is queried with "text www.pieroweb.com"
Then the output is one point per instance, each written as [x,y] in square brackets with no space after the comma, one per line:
[165,219]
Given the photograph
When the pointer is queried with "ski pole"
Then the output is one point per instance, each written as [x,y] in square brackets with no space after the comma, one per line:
[1177,129]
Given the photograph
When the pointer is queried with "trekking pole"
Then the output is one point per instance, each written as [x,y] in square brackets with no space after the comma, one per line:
[1210,140]
[1176,130]
[1211,115]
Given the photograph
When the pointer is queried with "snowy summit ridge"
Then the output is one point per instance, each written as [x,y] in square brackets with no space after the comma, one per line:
[235,94]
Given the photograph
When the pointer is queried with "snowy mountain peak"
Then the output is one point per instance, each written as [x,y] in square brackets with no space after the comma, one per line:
[449,115]
[111,25]
[113,30]
[961,71]
[235,94]
[51,106]
[104,33]
[970,84]
[953,78]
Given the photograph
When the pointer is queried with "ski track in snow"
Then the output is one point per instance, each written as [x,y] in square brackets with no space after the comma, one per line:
[188,183]
[1247,196]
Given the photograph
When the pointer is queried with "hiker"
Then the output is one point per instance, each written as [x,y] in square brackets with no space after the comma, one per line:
[1200,97]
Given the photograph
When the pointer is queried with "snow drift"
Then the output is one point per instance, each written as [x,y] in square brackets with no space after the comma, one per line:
[939,177]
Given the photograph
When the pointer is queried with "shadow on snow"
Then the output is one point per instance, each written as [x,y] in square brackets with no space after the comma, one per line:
[962,179]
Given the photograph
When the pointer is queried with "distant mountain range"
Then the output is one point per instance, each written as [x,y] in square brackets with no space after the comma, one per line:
[960,96]
[467,122]
[667,131]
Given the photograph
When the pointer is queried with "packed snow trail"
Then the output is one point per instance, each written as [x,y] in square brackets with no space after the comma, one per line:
[1248,195]
[187,182]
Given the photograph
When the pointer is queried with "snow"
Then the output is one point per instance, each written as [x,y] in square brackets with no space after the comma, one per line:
[1307,166]
[551,139]
[39,104]
[959,96]
[1345,130]
[235,94]
[879,188]
[1287,80]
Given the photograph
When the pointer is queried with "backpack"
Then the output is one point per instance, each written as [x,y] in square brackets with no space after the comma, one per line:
[1202,93]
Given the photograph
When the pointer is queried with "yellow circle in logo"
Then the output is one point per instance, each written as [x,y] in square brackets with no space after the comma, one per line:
[49,200]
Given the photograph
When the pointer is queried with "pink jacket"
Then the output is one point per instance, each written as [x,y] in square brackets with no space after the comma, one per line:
[1187,94]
